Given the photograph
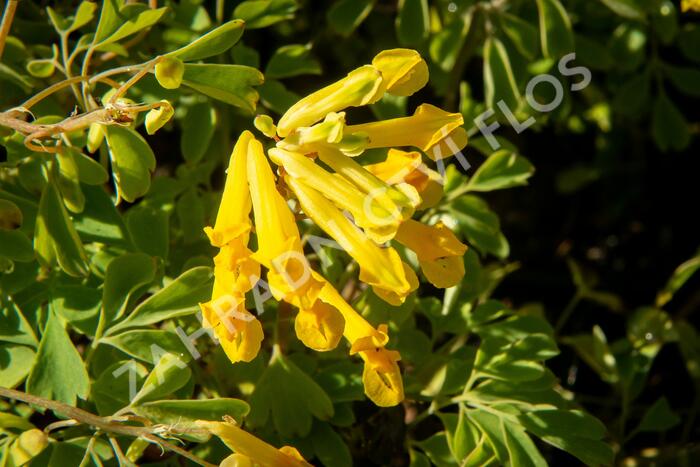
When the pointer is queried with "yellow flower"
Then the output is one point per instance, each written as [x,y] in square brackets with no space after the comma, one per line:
[438,250]
[408,167]
[438,133]
[250,449]
[378,223]
[404,70]
[687,5]
[360,87]
[318,326]
[235,272]
[238,331]
[381,376]
[381,268]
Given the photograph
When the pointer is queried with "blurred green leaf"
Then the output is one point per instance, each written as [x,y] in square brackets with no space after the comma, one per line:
[523,34]
[276,97]
[188,411]
[668,125]
[83,15]
[15,246]
[168,375]
[200,123]
[479,225]
[499,82]
[502,169]
[129,20]
[263,13]
[685,79]
[125,275]
[149,228]
[679,277]
[346,15]
[556,37]
[412,22]
[58,372]
[330,448]
[132,161]
[659,417]
[292,60]
[629,9]
[69,181]
[232,84]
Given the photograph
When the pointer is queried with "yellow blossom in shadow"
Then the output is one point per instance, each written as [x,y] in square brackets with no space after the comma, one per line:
[404,70]
[438,250]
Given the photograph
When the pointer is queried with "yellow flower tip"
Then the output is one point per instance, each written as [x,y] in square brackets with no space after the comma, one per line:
[238,331]
[265,125]
[235,271]
[378,338]
[249,448]
[438,250]
[396,297]
[360,87]
[382,377]
[688,5]
[320,327]
[408,167]
[404,71]
[450,145]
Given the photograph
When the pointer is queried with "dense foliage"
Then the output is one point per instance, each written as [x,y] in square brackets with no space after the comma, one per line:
[567,340]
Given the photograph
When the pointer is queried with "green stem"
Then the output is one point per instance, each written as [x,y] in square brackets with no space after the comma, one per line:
[7,18]
[566,314]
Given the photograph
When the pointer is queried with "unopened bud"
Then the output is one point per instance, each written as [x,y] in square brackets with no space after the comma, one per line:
[169,71]
[156,118]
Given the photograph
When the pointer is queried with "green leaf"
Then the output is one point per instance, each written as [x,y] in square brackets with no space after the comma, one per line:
[83,15]
[114,386]
[276,97]
[437,449]
[412,22]
[668,126]
[15,246]
[263,13]
[479,225]
[124,276]
[180,297]
[130,20]
[679,277]
[69,182]
[503,169]
[100,221]
[41,68]
[522,34]
[169,375]
[490,425]
[90,171]
[191,216]
[330,448]
[78,305]
[212,43]
[521,450]
[56,237]
[232,84]
[626,8]
[139,343]
[15,362]
[346,15]
[132,161]
[556,37]
[149,228]
[200,123]
[14,327]
[628,46]
[59,372]
[499,82]
[292,60]
[659,417]
[291,404]
[446,44]
[188,411]
[665,20]
[689,41]
[685,79]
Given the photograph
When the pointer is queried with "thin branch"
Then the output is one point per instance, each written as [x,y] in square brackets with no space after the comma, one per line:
[7,18]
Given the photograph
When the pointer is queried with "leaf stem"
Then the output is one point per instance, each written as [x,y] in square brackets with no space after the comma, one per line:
[566,314]
[7,18]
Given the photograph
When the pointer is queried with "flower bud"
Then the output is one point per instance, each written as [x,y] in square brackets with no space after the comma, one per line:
[169,71]
[156,118]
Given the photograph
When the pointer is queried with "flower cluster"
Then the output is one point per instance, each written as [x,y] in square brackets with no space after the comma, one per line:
[364,208]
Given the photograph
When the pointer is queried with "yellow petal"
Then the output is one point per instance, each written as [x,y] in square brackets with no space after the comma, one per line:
[237,460]
[408,167]
[235,271]
[238,331]
[380,267]
[245,444]
[382,377]
[687,5]
[360,87]
[275,226]
[320,327]
[400,200]
[404,70]
[448,146]
[233,218]
[427,127]
[379,224]
[438,250]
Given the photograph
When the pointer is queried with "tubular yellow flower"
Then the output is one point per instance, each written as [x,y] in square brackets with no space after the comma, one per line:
[428,128]
[408,167]
[248,446]
[318,326]
[404,70]
[688,5]
[238,331]
[378,223]
[439,251]
[381,268]
[381,376]
[400,200]
[360,87]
